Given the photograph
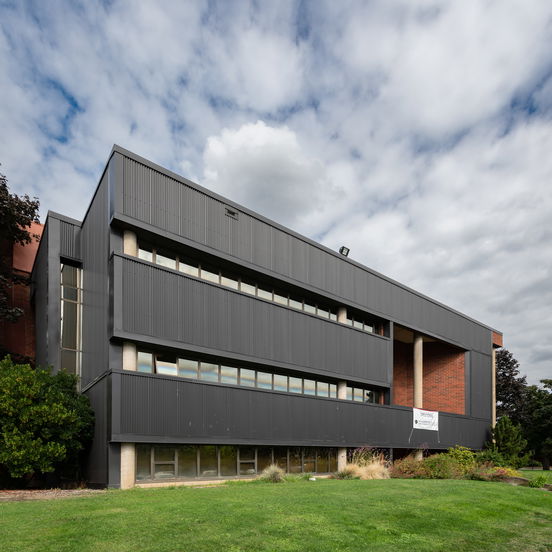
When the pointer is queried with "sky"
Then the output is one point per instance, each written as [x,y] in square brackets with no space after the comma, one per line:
[417,132]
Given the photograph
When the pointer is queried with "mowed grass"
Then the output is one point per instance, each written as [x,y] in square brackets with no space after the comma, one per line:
[533,474]
[326,515]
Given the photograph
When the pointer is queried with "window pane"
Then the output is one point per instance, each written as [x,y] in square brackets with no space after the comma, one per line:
[349,395]
[359,395]
[264,380]
[357,324]
[248,288]
[247,468]
[187,368]
[70,293]
[264,458]
[295,464]
[165,260]
[145,362]
[368,328]
[208,371]
[163,454]
[309,387]
[247,377]
[322,389]
[69,361]
[333,460]
[69,275]
[295,385]
[228,460]
[163,471]
[165,364]
[208,466]
[309,455]
[323,313]
[229,282]
[69,325]
[280,383]
[188,267]
[280,457]
[264,294]
[333,391]
[309,308]
[333,316]
[294,303]
[281,299]
[228,374]
[322,464]
[143,462]
[247,454]
[187,461]
[349,321]
[371,396]
[210,275]
[145,254]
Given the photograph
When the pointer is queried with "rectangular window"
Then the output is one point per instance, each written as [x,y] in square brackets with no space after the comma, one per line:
[229,282]
[208,461]
[368,328]
[208,371]
[145,362]
[333,460]
[349,395]
[229,374]
[165,260]
[309,387]
[70,319]
[358,395]
[309,460]
[309,308]
[322,461]
[247,461]
[264,458]
[333,391]
[357,324]
[248,288]
[280,383]
[188,267]
[228,460]
[209,275]
[264,294]
[164,462]
[143,462]
[146,254]
[165,364]
[280,298]
[322,312]
[322,389]
[296,304]
[264,380]
[187,461]
[187,368]
[295,385]
[281,457]
[247,377]
[295,461]
[333,316]
[69,325]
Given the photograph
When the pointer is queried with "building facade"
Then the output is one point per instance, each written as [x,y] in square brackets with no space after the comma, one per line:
[212,341]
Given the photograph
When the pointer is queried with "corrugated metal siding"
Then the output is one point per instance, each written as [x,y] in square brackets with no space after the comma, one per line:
[159,200]
[481,382]
[40,289]
[97,465]
[95,319]
[159,409]
[169,305]
[69,240]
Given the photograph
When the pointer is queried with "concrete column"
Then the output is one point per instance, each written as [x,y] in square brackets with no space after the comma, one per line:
[130,243]
[129,356]
[341,458]
[419,454]
[128,465]
[493,388]
[342,390]
[418,371]
[342,315]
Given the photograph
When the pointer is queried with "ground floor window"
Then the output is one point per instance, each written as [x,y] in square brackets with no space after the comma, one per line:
[158,462]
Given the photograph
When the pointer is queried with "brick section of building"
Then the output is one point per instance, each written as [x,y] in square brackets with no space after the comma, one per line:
[497,339]
[443,385]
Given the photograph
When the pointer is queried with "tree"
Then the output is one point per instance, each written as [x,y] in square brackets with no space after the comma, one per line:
[510,388]
[508,441]
[16,216]
[44,422]
[538,421]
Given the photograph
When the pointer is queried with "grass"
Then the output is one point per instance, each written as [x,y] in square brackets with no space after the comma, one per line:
[326,515]
[532,474]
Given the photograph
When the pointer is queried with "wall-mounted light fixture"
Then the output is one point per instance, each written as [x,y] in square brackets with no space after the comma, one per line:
[344,251]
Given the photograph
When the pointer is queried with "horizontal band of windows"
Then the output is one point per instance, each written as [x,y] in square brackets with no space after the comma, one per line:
[170,365]
[245,285]
[155,462]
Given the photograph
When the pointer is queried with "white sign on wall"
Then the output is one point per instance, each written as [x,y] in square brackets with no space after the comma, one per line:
[425,419]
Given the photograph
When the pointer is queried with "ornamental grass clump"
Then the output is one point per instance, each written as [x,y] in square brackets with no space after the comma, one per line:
[273,474]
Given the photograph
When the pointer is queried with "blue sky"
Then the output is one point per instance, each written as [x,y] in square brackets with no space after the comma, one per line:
[416,132]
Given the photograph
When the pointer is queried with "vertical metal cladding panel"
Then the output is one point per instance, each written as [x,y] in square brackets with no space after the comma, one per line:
[69,240]
[168,305]
[40,290]
[95,252]
[216,222]
[262,244]
[240,236]
[97,464]
[480,377]
[164,409]
[281,252]
[137,193]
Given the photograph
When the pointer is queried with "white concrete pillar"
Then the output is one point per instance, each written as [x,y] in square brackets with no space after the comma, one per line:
[130,243]
[418,371]
[342,390]
[493,388]
[341,458]
[129,356]
[128,465]
[342,315]
[419,454]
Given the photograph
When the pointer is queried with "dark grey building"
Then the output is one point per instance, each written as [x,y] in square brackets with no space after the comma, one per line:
[212,341]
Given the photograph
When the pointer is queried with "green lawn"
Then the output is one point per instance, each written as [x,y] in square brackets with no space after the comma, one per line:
[532,474]
[392,515]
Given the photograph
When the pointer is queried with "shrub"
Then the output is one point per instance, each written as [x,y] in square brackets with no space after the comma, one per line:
[376,469]
[442,466]
[44,422]
[273,474]
[463,457]
[488,472]
[538,482]
[408,468]
[350,471]
[490,456]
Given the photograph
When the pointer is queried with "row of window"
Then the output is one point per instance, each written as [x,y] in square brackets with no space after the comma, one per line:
[171,365]
[188,461]
[200,270]
[71,314]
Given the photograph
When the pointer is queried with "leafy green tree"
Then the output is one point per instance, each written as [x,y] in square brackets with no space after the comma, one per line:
[537,421]
[44,422]
[508,441]
[510,387]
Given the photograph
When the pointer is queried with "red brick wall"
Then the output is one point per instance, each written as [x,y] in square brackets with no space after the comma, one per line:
[443,377]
